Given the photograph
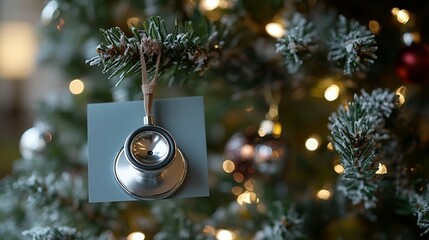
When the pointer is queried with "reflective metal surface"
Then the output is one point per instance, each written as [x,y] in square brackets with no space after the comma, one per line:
[150,184]
[149,148]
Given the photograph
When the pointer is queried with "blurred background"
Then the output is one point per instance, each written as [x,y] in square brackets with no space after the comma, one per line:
[22,81]
[43,48]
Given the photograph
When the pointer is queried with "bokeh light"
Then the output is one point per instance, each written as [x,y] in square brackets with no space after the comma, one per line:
[374,26]
[228,166]
[312,144]
[323,194]
[400,92]
[247,197]
[224,234]
[382,169]
[332,92]
[402,15]
[209,5]
[76,86]
[136,236]
[275,30]
[339,168]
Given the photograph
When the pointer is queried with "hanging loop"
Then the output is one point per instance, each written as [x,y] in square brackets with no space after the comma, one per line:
[150,48]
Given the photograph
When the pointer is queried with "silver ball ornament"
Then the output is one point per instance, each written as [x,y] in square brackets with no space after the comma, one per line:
[34,141]
[271,155]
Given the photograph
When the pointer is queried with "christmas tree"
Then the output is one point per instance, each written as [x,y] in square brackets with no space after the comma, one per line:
[315,111]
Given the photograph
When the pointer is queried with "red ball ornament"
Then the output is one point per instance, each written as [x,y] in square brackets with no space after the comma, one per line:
[253,154]
[413,64]
[271,155]
[240,150]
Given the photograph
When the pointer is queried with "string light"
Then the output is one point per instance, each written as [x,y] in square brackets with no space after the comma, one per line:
[236,190]
[228,166]
[402,15]
[332,92]
[247,151]
[323,194]
[247,197]
[133,21]
[277,130]
[238,177]
[224,234]
[312,144]
[136,236]
[339,168]
[382,169]
[400,92]
[76,86]
[394,11]
[374,26]
[209,5]
[275,30]
[249,184]
[330,146]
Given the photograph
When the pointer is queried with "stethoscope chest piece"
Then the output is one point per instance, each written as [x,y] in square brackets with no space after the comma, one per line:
[150,165]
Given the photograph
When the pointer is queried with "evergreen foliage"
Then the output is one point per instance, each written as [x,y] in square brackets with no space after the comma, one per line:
[352,46]
[298,43]
[182,48]
[356,132]
[46,195]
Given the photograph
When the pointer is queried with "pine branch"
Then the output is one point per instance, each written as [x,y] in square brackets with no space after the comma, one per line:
[420,205]
[297,44]
[51,233]
[352,46]
[356,132]
[184,48]
[285,224]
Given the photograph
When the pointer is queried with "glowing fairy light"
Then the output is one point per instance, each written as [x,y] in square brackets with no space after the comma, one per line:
[228,166]
[236,190]
[275,30]
[136,236]
[395,11]
[265,128]
[332,92]
[277,130]
[382,169]
[224,234]
[134,21]
[339,168]
[76,86]
[374,26]
[247,197]
[209,5]
[400,92]
[403,16]
[312,144]
[238,177]
[330,146]
[249,184]
[247,151]
[323,194]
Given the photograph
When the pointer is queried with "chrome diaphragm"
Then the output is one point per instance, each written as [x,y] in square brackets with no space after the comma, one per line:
[150,165]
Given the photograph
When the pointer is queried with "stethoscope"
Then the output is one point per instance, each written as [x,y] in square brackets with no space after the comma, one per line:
[150,165]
